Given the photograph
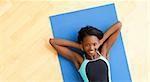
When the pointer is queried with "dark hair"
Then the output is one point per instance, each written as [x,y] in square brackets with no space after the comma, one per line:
[89,30]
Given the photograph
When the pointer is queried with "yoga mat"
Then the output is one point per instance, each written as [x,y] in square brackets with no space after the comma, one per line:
[67,25]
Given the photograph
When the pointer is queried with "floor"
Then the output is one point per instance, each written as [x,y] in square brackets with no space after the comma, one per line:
[26,56]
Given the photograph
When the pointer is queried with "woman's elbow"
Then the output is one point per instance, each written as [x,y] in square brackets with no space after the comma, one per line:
[51,41]
[119,25]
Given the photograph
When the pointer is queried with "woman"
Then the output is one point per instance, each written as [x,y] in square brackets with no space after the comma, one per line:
[93,66]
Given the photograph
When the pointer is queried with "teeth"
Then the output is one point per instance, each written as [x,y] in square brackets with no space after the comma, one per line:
[91,51]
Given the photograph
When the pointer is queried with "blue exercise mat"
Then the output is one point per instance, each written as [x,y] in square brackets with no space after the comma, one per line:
[67,25]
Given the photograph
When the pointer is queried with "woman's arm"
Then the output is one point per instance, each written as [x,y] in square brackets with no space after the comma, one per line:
[109,38]
[62,42]
[59,46]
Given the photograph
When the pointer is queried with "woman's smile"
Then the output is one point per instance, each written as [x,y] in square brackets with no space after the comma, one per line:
[91,52]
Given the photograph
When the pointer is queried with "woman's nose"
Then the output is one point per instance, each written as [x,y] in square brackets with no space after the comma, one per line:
[91,47]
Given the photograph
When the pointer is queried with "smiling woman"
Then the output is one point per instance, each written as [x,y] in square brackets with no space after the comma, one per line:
[25,53]
[94,65]
[89,38]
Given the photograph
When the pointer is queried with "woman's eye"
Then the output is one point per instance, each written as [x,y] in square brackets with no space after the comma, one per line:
[95,44]
[87,45]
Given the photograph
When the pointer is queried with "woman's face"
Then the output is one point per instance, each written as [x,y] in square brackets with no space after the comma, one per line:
[90,45]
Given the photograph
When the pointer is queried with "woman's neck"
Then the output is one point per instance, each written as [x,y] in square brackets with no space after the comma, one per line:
[92,57]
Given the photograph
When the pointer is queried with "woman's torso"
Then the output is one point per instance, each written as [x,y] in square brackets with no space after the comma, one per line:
[95,70]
